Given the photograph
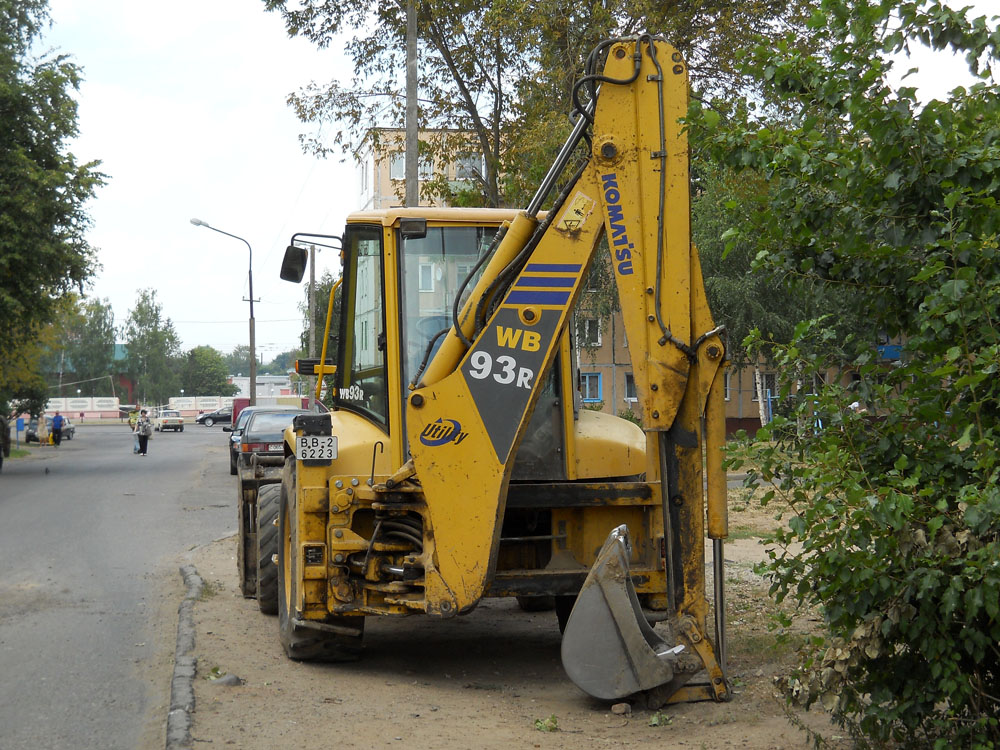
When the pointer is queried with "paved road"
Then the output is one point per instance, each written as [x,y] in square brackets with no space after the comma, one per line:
[91,537]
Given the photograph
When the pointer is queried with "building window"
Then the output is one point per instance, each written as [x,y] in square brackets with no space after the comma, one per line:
[469,167]
[590,387]
[630,392]
[426,278]
[768,385]
[397,166]
[729,374]
[588,332]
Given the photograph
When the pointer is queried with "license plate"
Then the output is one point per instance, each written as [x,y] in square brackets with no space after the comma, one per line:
[274,447]
[323,447]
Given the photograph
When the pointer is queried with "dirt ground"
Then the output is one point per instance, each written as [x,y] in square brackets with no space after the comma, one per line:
[492,679]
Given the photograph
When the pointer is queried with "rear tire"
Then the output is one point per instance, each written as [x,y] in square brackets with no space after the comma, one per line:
[268,507]
[302,643]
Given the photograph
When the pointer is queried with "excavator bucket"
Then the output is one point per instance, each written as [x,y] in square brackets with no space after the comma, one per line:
[608,648]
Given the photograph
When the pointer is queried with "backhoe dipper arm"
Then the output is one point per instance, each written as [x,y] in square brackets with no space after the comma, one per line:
[466,417]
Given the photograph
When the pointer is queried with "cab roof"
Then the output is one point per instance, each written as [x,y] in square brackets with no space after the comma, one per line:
[389,216]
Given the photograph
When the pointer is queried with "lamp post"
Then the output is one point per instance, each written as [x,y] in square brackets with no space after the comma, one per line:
[253,348]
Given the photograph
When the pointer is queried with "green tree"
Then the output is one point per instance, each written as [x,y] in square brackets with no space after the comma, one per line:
[152,346]
[285,361]
[323,286]
[238,360]
[23,387]
[502,72]
[205,373]
[90,346]
[748,297]
[896,529]
[43,252]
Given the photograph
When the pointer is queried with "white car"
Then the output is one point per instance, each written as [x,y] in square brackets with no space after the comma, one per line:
[168,419]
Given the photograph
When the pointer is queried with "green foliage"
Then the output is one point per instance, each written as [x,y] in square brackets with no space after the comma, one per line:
[322,306]
[499,75]
[660,719]
[631,416]
[896,532]
[744,295]
[238,360]
[282,363]
[22,385]
[152,351]
[204,373]
[90,346]
[43,253]
[550,724]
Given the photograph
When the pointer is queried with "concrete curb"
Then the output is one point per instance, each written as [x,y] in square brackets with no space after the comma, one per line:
[185,663]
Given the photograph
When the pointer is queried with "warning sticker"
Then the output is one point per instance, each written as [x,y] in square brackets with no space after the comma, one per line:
[576,213]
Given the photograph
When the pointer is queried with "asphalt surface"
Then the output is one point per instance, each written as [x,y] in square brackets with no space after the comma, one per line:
[90,538]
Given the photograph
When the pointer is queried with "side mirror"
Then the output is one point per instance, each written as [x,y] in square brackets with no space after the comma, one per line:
[293,265]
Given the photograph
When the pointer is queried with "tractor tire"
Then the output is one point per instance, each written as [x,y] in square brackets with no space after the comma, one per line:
[305,643]
[268,506]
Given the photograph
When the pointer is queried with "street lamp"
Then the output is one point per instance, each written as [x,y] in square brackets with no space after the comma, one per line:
[253,348]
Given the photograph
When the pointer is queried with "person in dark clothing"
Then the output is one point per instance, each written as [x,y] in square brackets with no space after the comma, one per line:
[143,430]
[57,426]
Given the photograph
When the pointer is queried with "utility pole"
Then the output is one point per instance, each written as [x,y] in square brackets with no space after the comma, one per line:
[412,142]
[312,322]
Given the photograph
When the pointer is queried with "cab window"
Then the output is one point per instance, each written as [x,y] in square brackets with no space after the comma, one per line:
[361,369]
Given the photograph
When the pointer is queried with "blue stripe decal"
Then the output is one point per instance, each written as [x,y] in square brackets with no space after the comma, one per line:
[537,298]
[553,267]
[565,281]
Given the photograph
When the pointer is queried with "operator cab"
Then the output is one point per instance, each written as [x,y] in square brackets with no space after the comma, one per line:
[407,266]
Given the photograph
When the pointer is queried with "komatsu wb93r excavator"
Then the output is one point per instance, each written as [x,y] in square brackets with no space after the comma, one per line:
[455,463]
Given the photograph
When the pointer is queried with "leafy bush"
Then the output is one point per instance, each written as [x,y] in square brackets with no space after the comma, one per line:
[896,527]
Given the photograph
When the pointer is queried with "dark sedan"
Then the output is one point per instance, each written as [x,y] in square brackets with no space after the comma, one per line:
[236,431]
[262,436]
[219,416]
[31,431]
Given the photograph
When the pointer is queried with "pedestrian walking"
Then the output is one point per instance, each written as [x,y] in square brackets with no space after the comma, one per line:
[57,426]
[143,431]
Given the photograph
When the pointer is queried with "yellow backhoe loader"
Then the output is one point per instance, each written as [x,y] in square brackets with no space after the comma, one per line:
[456,462]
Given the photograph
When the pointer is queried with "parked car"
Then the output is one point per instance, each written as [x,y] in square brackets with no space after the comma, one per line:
[235,431]
[262,435]
[225,414]
[168,419]
[31,431]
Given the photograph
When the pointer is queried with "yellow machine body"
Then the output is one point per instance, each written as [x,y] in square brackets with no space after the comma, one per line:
[462,465]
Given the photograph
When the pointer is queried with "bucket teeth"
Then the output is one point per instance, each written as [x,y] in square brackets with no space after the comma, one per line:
[608,648]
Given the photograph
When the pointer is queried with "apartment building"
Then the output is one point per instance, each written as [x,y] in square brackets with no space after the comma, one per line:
[383,163]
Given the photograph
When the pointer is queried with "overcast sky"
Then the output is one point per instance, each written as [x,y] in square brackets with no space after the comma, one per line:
[184,103]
